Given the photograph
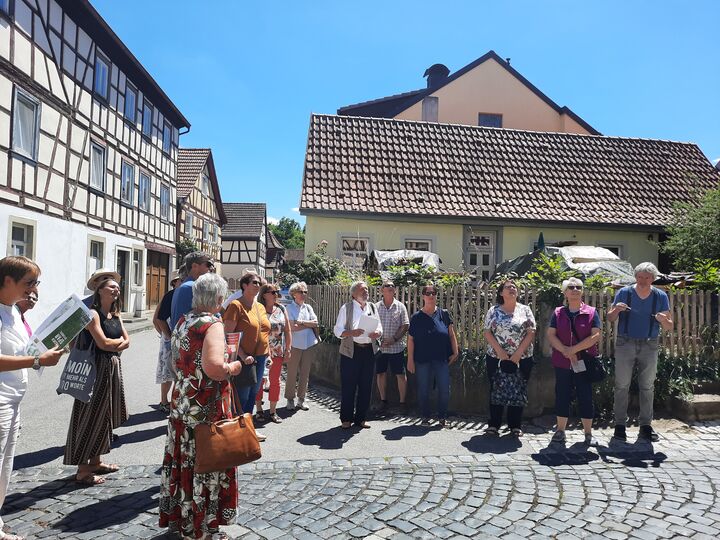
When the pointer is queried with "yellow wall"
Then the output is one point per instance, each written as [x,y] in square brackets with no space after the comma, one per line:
[635,245]
[447,239]
[490,88]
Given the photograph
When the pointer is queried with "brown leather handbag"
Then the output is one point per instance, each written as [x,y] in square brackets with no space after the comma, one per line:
[225,444]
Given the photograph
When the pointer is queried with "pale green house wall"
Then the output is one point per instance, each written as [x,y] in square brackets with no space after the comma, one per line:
[447,238]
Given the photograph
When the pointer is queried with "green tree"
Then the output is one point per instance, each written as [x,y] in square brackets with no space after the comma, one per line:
[185,246]
[289,232]
[694,231]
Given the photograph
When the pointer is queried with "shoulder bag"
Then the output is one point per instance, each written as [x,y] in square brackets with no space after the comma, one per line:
[226,443]
[80,371]
[508,388]
[595,371]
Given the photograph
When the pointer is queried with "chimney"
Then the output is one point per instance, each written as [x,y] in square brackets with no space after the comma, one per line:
[436,74]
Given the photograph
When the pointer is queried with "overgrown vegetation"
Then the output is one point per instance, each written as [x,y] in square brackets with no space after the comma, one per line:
[707,275]
[546,278]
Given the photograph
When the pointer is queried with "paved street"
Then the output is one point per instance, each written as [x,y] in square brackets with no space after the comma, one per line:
[396,480]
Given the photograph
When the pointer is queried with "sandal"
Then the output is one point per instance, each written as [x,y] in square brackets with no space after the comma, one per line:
[89,479]
[517,432]
[104,468]
[275,419]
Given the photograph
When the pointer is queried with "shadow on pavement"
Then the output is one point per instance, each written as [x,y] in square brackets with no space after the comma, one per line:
[330,439]
[143,418]
[395,434]
[115,510]
[641,454]
[492,444]
[39,457]
[20,501]
[556,454]
[140,435]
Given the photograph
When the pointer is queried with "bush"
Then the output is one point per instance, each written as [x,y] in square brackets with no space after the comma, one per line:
[707,275]
[546,278]
[316,269]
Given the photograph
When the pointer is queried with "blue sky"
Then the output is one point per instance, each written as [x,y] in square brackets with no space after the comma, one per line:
[247,75]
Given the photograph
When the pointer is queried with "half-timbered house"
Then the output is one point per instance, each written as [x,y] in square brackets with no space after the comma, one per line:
[200,209]
[245,242]
[88,153]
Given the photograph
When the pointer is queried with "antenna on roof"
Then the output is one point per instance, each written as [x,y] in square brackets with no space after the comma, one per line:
[508,60]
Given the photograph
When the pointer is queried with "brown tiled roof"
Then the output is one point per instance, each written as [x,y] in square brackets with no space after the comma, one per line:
[189,166]
[391,106]
[245,220]
[397,167]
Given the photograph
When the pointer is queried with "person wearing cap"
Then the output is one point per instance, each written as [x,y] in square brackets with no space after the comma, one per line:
[165,372]
[18,280]
[197,263]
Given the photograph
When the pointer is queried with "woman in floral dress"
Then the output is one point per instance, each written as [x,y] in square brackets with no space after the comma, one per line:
[509,331]
[195,505]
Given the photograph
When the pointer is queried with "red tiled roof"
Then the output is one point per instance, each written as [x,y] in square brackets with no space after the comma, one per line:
[189,166]
[397,167]
[244,220]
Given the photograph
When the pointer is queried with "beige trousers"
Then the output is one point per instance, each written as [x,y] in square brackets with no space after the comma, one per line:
[300,361]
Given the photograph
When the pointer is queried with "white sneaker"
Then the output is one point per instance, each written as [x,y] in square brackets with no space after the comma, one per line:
[290,405]
[301,405]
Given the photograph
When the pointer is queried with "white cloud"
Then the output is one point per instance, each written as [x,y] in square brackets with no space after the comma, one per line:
[296,210]
[273,220]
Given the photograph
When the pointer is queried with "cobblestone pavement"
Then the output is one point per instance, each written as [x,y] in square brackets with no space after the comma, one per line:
[626,491]
[492,487]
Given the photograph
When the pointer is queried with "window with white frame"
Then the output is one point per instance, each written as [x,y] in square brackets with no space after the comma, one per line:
[97,166]
[354,249]
[205,184]
[22,239]
[188,224]
[164,202]
[26,124]
[127,182]
[102,76]
[420,245]
[137,267]
[96,256]
[144,192]
[130,103]
[147,119]
[615,248]
[167,138]
[206,231]
[217,234]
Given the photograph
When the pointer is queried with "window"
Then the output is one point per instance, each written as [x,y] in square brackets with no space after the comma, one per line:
[217,234]
[97,166]
[137,267]
[130,103]
[616,249]
[206,231]
[167,138]
[188,224]
[5,6]
[205,184]
[144,192]
[147,119]
[421,245]
[26,124]
[127,182]
[164,202]
[22,239]
[490,120]
[97,256]
[102,76]
[354,250]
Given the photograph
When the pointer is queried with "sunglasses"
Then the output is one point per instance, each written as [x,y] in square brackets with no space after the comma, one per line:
[301,292]
[430,293]
[574,287]
[210,265]
[256,282]
[276,293]
[389,286]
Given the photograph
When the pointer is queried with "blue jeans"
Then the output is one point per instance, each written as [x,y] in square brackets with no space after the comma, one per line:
[245,395]
[425,373]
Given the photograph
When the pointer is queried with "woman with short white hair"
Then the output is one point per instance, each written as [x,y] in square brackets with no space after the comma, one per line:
[574,329]
[304,327]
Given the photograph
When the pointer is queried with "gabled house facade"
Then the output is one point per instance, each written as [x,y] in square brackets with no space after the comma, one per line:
[244,239]
[487,92]
[88,153]
[200,208]
[478,196]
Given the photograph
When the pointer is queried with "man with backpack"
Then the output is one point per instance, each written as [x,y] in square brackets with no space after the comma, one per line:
[642,311]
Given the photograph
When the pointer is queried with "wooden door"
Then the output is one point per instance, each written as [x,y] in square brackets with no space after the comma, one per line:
[156,277]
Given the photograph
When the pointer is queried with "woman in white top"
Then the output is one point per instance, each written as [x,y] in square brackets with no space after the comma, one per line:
[18,280]
[304,326]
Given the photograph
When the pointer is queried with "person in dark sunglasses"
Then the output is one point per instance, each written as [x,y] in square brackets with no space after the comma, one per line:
[305,337]
[432,348]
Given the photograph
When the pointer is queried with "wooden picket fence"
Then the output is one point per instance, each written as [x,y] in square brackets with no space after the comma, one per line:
[693,312]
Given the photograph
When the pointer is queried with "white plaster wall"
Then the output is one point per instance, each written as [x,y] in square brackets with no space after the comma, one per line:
[61,250]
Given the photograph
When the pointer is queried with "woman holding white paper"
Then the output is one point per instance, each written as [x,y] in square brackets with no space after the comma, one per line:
[91,424]
[358,346]
[573,328]
[18,280]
